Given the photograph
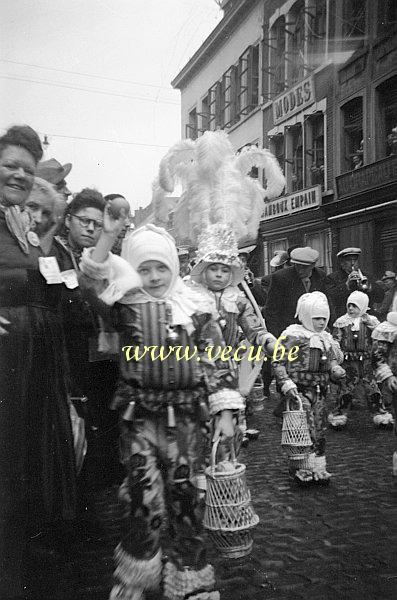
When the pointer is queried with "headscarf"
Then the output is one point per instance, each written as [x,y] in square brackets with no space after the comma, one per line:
[360,300]
[309,306]
[154,243]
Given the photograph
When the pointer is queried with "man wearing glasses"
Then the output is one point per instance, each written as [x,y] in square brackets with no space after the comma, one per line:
[93,374]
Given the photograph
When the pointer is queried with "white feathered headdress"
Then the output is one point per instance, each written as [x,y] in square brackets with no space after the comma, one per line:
[216,186]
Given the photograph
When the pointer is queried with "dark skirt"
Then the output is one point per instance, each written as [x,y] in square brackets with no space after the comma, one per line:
[37,465]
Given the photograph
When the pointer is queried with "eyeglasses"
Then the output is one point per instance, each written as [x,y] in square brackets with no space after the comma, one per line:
[85,222]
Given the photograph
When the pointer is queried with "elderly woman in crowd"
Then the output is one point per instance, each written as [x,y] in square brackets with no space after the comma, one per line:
[37,465]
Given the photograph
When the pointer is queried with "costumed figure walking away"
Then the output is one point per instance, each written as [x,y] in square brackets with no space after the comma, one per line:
[37,463]
[317,357]
[384,357]
[221,206]
[163,405]
[353,332]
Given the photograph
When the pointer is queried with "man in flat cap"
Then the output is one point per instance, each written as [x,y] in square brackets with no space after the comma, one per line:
[52,171]
[288,284]
[348,278]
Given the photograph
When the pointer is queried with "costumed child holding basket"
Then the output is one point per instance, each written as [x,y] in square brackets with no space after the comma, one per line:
[384,360]
[305,379]
[221,206]
[163,405]
[353,332]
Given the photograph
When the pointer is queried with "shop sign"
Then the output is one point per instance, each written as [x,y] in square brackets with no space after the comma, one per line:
[296,99]
[289,205]
[378,174]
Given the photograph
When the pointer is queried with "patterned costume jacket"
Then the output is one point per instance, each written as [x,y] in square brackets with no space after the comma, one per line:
[311,375]
[164,405]
[384,360]
[236,314]
[356,347]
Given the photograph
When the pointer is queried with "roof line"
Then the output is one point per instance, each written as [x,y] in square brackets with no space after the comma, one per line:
[215,39]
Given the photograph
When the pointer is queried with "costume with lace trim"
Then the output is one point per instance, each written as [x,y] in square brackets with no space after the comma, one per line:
[354,336]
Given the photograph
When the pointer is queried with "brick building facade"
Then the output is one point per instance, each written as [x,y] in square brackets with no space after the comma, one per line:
[316,82]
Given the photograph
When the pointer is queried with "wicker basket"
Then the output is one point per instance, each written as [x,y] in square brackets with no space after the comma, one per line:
[256,398]
[229,516]
[295,432]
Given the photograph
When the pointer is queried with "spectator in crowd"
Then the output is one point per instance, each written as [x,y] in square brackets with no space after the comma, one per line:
[278,262]
[92,351]
[47,210]
[37,464]
[389,303]
[348,278]
[288,284]
[52,171]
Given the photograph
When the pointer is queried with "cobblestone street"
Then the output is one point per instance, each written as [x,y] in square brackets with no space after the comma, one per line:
[323,543]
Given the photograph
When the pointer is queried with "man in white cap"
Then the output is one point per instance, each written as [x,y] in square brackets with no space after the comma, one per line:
[348,278]
[288,284]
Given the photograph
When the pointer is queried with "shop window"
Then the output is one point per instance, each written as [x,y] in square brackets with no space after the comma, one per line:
[387,17]
[315,149]
[296,159]
[277,56]
[296,27]
[321,241]
[192,126]
[352,113]
[354,19]
[386,124]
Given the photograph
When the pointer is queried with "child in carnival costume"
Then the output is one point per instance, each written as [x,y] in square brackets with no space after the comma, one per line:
[162,405]
[384,360]
[221,206]
[353,332]
[309,375]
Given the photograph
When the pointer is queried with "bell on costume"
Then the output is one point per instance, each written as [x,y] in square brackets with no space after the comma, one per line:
[172,335]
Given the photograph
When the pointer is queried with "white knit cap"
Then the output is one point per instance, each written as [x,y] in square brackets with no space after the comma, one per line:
[151,243]
[360,300]
[310,306]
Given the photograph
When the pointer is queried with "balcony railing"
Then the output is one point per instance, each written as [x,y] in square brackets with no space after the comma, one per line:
[369,177]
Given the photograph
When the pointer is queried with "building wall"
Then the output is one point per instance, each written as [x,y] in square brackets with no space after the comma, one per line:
[344,64]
